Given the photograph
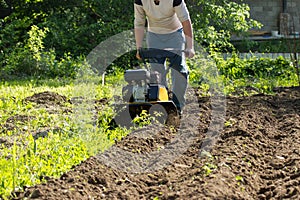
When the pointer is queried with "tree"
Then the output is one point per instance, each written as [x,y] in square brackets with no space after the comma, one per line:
[5,8]
[77,26]
[215,21]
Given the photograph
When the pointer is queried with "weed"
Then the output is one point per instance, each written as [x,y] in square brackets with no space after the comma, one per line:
[208,168]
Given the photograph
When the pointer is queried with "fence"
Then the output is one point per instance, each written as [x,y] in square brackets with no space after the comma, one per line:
[260,55]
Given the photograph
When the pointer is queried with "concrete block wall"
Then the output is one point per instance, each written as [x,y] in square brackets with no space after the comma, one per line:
[293,8]
[268,13]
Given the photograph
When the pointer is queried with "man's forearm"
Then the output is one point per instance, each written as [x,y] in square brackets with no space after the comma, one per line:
[188,31]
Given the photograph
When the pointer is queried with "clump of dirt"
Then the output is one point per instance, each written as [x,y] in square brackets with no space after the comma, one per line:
[256,156]
[51,101]
[44,132]
[12,122]
[47,97]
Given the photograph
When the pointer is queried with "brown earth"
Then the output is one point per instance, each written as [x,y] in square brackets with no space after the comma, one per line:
[252,152]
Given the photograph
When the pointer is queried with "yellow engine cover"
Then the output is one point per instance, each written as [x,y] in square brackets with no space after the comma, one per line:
[163,94]
[158,92]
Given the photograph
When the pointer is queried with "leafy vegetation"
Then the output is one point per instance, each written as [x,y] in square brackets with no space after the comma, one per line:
[242,76]
[30,163]
[261,74]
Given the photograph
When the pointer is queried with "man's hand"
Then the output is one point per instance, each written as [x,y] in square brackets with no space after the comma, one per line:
[137,55]
[189,53]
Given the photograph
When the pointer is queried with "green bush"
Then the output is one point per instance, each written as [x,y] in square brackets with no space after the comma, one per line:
[236,68]
[32,59]
[235,74]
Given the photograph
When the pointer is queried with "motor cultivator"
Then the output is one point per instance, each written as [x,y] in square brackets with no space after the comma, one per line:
[147,90]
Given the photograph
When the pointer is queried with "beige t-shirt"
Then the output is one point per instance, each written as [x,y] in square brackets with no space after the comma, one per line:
[163,18]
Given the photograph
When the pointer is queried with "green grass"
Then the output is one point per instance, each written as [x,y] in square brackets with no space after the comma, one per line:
[26,160]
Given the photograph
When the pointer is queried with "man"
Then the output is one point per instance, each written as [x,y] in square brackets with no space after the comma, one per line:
[169,27]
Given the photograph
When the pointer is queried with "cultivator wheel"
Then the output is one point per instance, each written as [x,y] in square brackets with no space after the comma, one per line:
[162,112]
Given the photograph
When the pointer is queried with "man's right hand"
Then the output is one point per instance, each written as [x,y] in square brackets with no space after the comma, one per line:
[189,52]
[137,55]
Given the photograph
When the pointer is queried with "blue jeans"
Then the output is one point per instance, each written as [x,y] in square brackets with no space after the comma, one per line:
[179,70]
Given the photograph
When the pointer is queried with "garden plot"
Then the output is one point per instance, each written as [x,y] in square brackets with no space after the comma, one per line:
[256,156]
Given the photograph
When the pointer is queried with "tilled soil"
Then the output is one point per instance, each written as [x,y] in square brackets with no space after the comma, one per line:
[233,148]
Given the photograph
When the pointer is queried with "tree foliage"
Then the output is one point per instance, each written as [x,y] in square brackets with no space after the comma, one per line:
[214,21]
[75,27]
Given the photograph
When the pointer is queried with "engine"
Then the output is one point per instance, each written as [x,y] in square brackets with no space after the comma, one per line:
[138,85]
[143,86]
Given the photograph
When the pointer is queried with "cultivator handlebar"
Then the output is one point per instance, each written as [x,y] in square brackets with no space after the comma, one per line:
[148,53]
